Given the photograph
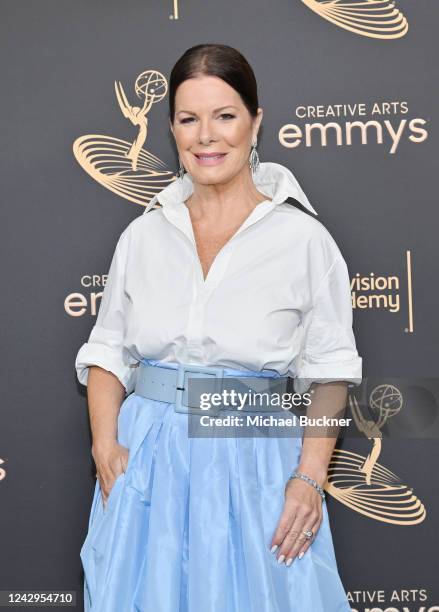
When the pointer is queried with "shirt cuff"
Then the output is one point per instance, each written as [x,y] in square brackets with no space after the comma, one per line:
[108,355]
[347,371]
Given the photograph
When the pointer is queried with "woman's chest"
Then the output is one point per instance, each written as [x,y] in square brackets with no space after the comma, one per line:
[210,241]
[208,246]
[255,292]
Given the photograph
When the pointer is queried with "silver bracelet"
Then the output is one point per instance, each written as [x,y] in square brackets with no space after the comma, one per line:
[310,481]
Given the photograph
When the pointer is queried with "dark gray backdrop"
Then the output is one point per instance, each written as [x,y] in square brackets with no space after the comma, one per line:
[59,62]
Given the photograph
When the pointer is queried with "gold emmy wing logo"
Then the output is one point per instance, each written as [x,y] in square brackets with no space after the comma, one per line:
[372,18]
[363,484]
[126,168]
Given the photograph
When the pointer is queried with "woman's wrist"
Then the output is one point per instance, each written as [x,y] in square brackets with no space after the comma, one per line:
[102,445]
[316,472]
[310,481]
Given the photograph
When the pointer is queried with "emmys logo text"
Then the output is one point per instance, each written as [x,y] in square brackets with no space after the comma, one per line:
[77,304]
[402,599]
[342,125]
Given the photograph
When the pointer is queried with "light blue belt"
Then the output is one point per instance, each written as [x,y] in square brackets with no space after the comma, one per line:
[168,382]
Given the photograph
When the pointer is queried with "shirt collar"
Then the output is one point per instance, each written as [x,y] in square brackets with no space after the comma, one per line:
[272,179]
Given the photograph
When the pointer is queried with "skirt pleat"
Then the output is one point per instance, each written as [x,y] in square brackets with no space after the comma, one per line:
[188,526]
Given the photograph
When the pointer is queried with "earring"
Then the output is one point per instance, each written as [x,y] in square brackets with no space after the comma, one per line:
[254,158]
[181,169]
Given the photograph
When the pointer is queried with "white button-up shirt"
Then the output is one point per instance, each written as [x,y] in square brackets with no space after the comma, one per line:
[277,295]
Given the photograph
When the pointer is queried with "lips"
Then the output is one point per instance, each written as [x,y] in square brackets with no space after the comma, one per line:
[208,160]
[209,155]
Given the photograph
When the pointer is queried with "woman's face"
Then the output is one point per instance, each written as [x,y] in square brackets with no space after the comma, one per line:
[210,117]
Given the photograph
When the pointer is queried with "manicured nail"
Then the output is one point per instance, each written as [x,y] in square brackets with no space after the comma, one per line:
[289,562]
[281,558]
[301,554]
[274,548]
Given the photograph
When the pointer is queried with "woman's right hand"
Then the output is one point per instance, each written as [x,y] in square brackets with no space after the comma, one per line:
[111,460]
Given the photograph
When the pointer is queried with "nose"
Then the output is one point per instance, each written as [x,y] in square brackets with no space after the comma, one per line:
[205,134]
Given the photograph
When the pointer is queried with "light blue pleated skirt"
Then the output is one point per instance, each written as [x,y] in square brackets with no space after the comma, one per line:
[188,526]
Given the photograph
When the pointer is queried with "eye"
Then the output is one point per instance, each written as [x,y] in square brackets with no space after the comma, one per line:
[226,116]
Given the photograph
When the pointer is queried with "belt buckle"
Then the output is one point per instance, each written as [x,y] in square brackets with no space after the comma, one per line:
[183,369]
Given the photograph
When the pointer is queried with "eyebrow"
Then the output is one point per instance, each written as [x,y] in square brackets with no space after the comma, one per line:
[215,110]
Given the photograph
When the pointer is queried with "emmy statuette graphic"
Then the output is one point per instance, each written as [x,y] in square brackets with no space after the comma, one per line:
[363,484]
[126,168]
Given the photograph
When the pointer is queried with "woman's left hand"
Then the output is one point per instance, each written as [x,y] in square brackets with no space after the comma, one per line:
[302,511]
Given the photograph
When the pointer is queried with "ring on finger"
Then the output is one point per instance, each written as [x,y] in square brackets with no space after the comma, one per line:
[309,534]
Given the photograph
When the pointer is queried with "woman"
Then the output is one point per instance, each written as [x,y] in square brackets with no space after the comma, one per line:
[219,274]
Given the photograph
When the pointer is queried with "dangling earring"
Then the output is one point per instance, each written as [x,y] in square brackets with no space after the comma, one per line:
[254,158]
[181,169]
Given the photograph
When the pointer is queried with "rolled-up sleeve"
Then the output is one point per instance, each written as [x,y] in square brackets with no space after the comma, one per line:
[329,350]
[105,346]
